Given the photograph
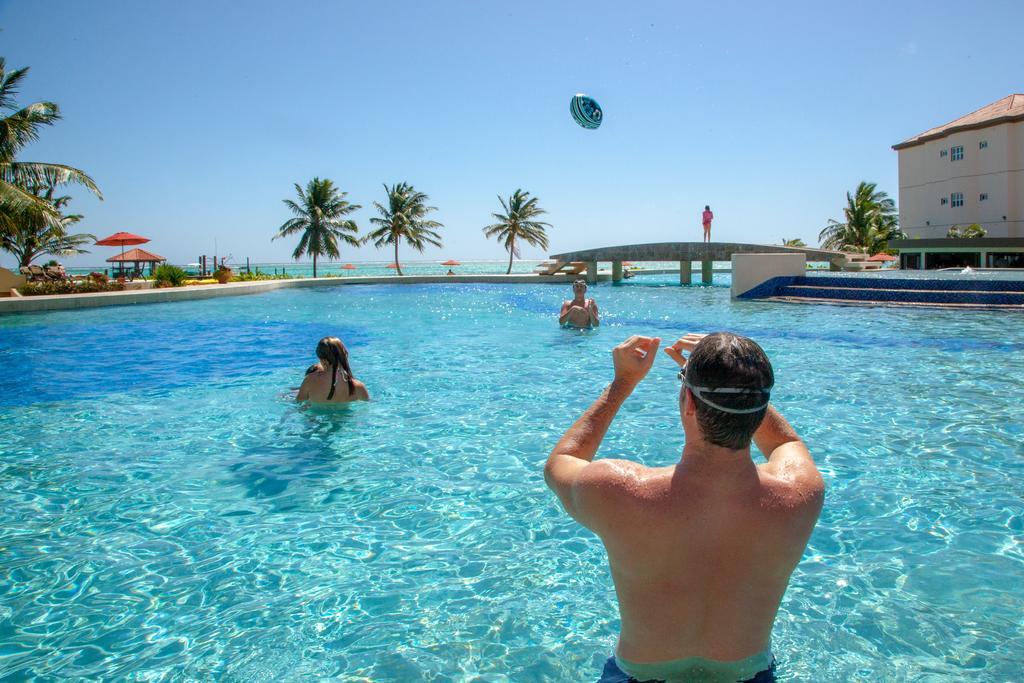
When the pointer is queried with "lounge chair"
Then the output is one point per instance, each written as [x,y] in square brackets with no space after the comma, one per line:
[560,268]
[37,274]
[56,273]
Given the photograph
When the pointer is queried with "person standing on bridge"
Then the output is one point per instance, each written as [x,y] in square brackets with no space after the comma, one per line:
[706,219]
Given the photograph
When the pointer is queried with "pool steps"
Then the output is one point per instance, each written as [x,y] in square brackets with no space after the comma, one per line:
[1002,294]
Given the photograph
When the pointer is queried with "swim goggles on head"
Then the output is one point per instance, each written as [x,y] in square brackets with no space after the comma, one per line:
[731,391]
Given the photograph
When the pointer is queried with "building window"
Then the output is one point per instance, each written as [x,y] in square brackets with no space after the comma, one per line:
[983,196]
[910,261]
[956,153]
[936,260]
[943,201]
[983,144]
[942,152]
[956,199]
[1009,259]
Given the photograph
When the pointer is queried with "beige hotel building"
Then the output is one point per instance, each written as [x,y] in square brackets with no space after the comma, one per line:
[968,171]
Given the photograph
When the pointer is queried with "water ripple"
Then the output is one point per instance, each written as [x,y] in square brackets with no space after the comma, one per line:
[174,516]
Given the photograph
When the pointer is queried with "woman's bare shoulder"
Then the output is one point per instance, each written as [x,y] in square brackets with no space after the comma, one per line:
[362,393]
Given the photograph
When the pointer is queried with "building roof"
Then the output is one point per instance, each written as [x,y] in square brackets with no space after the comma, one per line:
[1010,108]
[137,256]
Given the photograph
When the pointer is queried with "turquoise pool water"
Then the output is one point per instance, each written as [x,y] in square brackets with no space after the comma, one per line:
[168,513]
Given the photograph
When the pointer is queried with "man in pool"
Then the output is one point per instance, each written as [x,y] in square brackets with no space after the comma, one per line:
[700,551]
[580,311]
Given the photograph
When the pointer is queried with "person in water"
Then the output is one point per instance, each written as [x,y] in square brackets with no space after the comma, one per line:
[706,219]
[331,380]
[700,551]
[580,311]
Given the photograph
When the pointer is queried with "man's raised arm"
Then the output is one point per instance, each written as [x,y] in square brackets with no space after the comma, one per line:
[578,446]
[563,315]
[785,451]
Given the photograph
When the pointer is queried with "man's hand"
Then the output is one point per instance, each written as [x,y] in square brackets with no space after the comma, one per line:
[686,343]
[633,358]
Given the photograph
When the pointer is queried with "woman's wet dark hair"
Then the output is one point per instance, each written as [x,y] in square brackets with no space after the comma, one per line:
[331,351]
[707,208]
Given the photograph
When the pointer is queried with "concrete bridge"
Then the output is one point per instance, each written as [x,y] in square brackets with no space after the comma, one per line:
[683,252]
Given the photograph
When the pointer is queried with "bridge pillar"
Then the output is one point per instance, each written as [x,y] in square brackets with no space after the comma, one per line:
[616,271]
[707,273]
[685,272]
[592,272]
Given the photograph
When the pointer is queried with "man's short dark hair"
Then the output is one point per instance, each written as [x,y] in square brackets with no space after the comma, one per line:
[721,360]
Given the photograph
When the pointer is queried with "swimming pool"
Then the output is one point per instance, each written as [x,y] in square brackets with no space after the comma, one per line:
[168,512]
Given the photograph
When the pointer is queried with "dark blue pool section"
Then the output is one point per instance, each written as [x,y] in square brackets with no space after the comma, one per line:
[894,290]
[52,363]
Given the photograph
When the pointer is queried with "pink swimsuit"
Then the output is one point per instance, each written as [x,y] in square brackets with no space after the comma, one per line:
[707,217]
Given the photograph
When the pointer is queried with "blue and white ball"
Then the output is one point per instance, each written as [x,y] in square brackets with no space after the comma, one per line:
[585,110]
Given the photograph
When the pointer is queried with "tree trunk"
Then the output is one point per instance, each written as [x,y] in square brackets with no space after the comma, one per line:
[398,267]
[314,264]
[511,252]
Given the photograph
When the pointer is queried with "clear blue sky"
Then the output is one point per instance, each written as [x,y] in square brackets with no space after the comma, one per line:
[196,118]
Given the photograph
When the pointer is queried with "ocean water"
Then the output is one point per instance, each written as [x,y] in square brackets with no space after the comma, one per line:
[377,268]
[362,268]
[167,512]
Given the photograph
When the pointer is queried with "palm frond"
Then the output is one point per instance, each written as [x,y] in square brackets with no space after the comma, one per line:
[34,173]
[517,223]
[320,216]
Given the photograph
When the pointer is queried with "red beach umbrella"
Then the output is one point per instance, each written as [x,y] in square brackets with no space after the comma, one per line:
[451,262]
[122,239]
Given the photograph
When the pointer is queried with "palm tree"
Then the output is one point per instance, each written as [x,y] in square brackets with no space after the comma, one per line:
[795,242]
[320,217]
[517,223]
[404,218]
[871,221]
[33,234]
[17,130]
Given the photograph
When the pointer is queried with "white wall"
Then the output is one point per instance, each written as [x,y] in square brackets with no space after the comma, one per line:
[750,270]
[998,171]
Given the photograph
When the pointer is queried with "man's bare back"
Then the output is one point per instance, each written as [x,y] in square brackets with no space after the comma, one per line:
[700,552]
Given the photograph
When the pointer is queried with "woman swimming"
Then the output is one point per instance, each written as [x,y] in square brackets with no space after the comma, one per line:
[322,384]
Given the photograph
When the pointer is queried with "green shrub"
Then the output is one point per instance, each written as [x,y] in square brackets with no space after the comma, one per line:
[250,277]
[169,276]
[973,231]
[68,287]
